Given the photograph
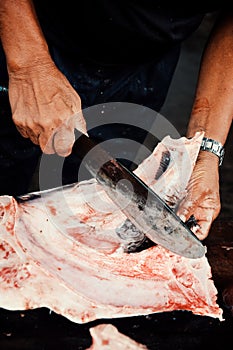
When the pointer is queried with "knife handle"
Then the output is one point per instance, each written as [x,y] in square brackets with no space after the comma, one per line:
[91,154]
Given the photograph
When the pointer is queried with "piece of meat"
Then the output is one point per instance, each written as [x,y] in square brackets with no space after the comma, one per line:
[107,336]
[61,251]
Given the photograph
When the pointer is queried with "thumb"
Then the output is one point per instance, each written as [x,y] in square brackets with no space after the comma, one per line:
[63,141]
[80,122]
[186,208]
[64,137]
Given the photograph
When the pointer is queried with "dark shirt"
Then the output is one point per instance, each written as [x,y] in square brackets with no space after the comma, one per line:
[119,31]
[89,40]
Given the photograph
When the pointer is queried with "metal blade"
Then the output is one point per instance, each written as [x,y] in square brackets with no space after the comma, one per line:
[141,205]
[39,194]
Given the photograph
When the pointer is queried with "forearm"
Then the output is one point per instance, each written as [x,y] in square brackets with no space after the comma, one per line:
[21,35]
[213,106]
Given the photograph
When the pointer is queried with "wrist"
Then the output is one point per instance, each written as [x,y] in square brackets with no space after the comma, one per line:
[213,147]
[21,35]
[207,157]
[23,65]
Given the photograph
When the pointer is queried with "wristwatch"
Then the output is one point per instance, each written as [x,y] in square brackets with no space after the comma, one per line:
[214,147]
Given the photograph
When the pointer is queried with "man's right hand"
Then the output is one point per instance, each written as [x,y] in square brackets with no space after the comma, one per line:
[45,107]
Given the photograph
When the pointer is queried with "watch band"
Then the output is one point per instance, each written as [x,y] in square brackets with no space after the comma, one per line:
[214,147]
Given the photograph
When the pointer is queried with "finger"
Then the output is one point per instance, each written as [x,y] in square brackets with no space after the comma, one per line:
[63,141]
[22,131]
[59,140]
[203,214]
[80,122]
[27,134]
[204,225]
[34,138]
[186,209]
[46,143]
[202,230]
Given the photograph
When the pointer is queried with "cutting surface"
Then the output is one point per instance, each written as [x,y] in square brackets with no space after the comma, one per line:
[41,329]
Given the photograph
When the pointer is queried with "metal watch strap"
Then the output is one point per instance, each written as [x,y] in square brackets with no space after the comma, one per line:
[214,147]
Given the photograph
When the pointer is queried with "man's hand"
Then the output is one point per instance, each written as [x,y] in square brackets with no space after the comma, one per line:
[45,107]
[203,199]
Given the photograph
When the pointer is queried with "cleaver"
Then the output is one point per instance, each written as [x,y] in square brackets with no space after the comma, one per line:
[140,204]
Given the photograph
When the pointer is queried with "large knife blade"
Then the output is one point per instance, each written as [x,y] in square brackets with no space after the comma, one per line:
[141,205]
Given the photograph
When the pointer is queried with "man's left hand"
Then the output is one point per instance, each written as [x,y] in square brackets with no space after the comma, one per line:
[203,198]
